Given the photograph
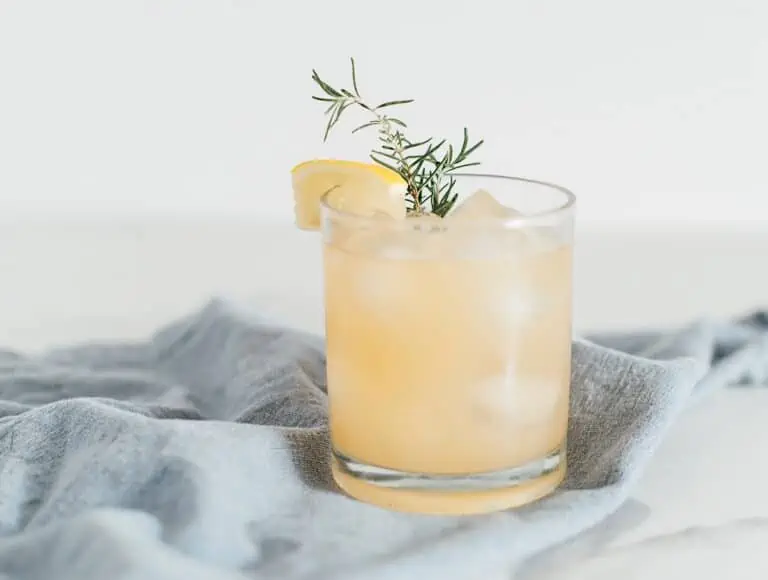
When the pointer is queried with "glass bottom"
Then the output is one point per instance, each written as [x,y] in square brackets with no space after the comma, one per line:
[462,494]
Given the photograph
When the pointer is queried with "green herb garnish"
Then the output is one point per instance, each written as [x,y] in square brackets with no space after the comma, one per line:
[426,165]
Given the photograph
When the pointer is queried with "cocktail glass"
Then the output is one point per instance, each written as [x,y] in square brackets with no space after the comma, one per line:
[449,350]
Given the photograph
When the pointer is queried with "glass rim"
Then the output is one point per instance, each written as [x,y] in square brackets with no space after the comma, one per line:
[569,201]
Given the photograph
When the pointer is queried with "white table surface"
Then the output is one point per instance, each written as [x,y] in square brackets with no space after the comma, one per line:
[701,510]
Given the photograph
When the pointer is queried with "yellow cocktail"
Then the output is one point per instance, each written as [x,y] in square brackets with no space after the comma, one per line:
[449,350]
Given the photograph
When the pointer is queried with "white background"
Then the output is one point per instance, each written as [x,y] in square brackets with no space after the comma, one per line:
[653,110]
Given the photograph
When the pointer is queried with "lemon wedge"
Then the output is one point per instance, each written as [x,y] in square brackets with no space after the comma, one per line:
[364,189]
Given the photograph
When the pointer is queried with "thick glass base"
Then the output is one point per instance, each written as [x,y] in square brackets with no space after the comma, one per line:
[450,494]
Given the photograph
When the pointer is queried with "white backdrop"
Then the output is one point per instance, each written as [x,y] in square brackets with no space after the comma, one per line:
[654,110]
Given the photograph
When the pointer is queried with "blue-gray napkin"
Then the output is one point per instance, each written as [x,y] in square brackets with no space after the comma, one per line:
[202,453]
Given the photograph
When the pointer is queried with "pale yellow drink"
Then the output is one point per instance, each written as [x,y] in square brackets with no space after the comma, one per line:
[448,356]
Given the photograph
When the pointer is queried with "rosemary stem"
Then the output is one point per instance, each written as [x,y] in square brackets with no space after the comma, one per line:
[423,165]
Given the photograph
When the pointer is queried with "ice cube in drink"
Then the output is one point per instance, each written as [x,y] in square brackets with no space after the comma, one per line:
[482,205]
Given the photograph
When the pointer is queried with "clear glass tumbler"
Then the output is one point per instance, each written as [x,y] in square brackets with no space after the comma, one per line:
[449,351]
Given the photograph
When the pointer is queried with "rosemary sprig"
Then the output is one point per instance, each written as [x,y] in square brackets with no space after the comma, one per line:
[426,165]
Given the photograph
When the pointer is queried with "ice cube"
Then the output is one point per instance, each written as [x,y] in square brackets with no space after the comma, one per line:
[484,242]
[418,240]
[515,399]
[399,249]
[482,204]
[424,222]
[519,305]
[511,240]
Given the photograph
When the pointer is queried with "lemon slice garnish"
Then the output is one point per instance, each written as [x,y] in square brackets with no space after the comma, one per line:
[364,189]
